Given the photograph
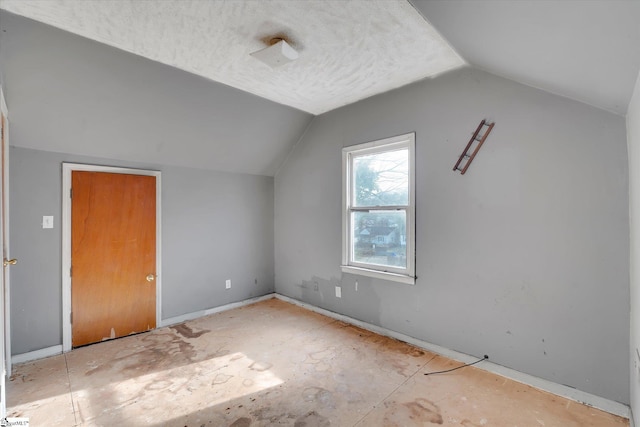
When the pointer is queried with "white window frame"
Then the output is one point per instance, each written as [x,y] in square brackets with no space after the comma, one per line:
[402,275]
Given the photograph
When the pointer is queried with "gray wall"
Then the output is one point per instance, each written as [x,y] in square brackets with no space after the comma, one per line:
[215,226]
[633,141]
[524,258]
[68,94]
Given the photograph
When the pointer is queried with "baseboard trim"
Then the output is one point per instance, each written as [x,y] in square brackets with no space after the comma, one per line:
[37,354]
[57,349]
[196,314]
[598,402]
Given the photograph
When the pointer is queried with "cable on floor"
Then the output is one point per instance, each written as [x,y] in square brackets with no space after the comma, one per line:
[459,367]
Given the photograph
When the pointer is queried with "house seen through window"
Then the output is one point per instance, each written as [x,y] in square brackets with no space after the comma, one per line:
[379,209]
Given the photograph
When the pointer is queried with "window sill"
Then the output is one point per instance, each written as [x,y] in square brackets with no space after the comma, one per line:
[394,277]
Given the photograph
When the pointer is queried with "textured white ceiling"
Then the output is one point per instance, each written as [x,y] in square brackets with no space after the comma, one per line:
[349,50]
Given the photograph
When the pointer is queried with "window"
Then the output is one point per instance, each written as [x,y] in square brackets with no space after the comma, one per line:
[378,215]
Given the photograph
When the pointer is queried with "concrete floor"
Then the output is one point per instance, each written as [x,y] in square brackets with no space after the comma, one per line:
[273,363]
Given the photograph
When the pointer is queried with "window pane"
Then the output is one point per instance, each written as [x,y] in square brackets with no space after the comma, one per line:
[381,179]
[380,238]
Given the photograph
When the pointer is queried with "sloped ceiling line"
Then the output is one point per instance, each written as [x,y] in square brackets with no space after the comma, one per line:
[349,50]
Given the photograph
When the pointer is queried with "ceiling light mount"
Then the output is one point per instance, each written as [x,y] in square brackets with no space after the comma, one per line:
[278,53]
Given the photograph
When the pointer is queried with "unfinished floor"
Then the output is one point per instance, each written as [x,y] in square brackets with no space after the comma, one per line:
[273,363]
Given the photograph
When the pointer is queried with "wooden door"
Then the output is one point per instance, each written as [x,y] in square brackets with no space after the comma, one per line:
[113,255]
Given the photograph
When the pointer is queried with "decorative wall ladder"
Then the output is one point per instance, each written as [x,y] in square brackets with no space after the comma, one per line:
[478,137]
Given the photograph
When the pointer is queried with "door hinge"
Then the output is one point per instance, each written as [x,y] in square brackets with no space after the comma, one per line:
[71,193]
[71,317]
[70,271]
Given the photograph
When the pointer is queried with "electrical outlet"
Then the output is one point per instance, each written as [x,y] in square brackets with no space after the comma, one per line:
[338,292]
[228,284]
[356,286]
[315,286]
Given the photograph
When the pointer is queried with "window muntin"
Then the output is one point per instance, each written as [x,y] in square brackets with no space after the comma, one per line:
[379,209]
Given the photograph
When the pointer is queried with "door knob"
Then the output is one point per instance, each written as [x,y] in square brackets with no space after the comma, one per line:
[150,277]
[7,262]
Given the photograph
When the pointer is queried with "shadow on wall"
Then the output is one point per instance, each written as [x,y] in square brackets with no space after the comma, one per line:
[357,299]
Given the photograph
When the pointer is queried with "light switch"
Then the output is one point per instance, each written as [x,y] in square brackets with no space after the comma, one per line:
[47,222]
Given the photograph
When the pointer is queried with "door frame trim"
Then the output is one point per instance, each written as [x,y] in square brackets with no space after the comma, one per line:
[67,169]
[5,282]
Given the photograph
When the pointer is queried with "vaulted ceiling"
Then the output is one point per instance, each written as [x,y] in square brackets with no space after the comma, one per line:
[350,50]
[587,50]
[171,82]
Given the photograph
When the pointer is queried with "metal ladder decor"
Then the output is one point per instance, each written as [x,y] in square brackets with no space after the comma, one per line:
[477,137]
